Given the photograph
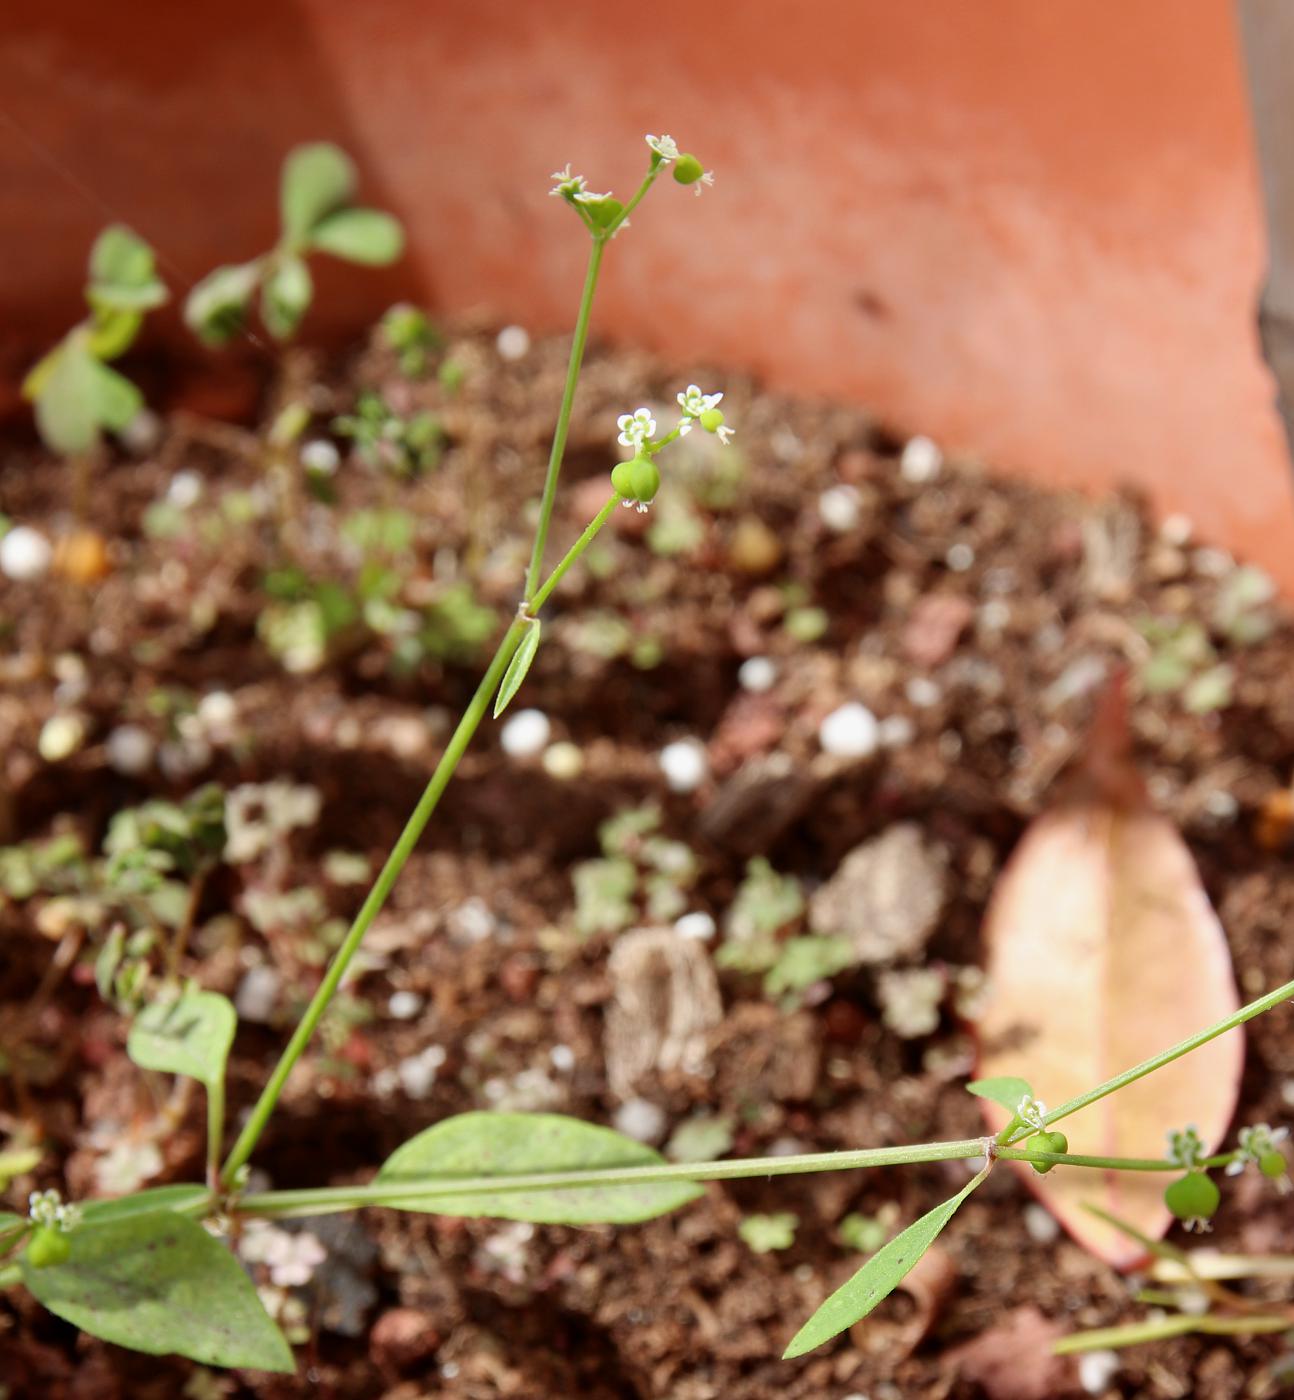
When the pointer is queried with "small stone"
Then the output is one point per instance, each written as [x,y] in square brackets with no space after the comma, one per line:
[217,710]
[418,1073]
[933,628]
[525,734]
[921,461]
[959,557]
[513,343]
[698,926]
[258,994]
[129,750]
[922,692]
[60,737]
[472,922]
[840,508]
[563,761]
[754,549]
[1040,1224]
[896,732]
[640,1120]
[404,1005]
[320,456]
[849,732]
[885,897]
[562,1058]
[684,765]
[25,554]
[757,674]
[142,434]
[1096,1369]
[185,490]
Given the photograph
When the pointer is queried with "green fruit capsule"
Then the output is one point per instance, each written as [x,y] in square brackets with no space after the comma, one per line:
[47,1247]
[711,420]
[688,170]
[1194,1196]
[1047,1142]
[636,480]
[622,480]
[1273,1164]
[604,212]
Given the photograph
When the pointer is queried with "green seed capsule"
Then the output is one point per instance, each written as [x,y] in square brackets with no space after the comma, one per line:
[47,1247]
[622,480]
[1047,1142]
[1194,1196]
[711,420]
[604,212]
[1272,1163]
[637,479]
[688,170]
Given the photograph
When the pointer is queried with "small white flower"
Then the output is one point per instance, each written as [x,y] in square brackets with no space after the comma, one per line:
[45,1207]
[694,403]
[1255,1142]
[706,179]
[1185,1148]
[567,185]
[636,427]
[590,197]
[664,146]
[1032,1111]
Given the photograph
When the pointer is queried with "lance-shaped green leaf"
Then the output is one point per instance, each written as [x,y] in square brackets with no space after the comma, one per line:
[477,1145]
[317,179]
[190,1035]
[518,667]
[878,1278]
[359,235]
[160,1284]
[1007,1090]
[188,1199]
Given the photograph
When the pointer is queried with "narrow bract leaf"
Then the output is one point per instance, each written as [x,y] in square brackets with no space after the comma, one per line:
[475,1145]
[191,1035]
[359,235]
[1102,950]
[1006,1089]
[183,1198]
[878,1278]
[160,1284]
[517,668]
[317,179]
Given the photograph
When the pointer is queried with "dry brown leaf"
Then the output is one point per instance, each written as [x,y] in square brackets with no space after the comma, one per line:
[1103,949]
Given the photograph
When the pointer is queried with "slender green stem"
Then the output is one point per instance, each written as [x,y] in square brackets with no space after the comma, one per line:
[1166,1057]
[648,181]
[572,554]
[1159,1328]
[1073,1159]
[215,1129]
[377,897]
[578,342]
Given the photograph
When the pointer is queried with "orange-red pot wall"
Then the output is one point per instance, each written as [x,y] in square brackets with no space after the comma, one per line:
[1028,229]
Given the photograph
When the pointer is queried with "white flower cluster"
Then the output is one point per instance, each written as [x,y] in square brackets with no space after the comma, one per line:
[47,1208]
[1255,1143]
[664,146]
[1185,1149]
[694,403]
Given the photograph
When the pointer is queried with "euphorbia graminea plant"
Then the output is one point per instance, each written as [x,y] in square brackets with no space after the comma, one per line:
[128,1270]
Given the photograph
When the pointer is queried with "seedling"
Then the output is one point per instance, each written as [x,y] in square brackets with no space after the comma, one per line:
[410,333]
[128,1270]
[317,214]
[78,397]
[388,442]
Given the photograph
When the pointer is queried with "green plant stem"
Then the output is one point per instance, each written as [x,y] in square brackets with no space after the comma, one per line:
[377,897]
[335,1198]
[578,342]
[1165,1057]
[215,1129]
[1160,1328]
[572,554]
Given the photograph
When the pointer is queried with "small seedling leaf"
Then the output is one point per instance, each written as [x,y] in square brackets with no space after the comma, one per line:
[66,407]
[116,400]
[317,180]
[521,1144]
[160,1284]
[360,235]
[120,258]
[216,309]
[190,1035]
[1007,1090]
[285,296]
[518,668]
[878,1278]
[113,331]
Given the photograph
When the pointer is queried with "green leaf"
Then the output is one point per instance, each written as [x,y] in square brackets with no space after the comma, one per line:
[360,235]
[116,400]
[317,179]
[123,274]
[285,296]
[216,309]
[38,376]
[191,1035]
[160,1284]
[67,408]
[11,1226]
[519,1144]
[185,1198]
[112,331]
[517,668]
[878,1277]
[1006,1090]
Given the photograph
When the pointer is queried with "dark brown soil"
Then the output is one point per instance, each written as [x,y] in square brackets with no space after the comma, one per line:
[1054,589]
